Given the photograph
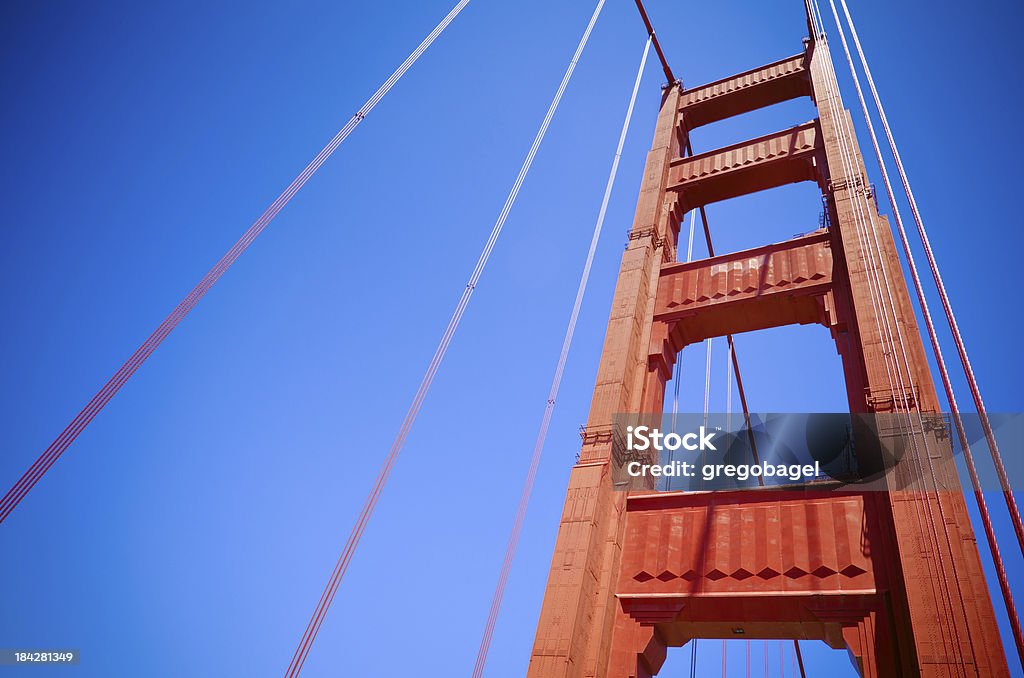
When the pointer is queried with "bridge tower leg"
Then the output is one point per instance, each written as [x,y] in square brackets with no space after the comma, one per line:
[895,578]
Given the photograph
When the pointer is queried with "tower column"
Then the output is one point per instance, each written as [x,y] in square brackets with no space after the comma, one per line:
[578,612]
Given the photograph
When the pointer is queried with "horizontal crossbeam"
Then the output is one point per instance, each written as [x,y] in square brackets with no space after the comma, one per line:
[773,160]
[781,284]
[791,553]
[757,88]
[799,266]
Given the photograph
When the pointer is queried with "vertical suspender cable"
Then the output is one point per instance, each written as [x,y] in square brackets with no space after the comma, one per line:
[940,361]
[1011,502]
[302,651]
[556,382]
[98,401]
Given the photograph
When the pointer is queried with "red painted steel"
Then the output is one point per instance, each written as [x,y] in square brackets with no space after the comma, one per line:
[766,162]
[777,82]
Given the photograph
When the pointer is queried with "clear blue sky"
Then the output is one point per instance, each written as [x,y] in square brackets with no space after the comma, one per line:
[191,528]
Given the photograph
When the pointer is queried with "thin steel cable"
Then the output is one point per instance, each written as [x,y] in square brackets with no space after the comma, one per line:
[302,651]
[947,307]
[1007,594]
[103,396]
[556,382]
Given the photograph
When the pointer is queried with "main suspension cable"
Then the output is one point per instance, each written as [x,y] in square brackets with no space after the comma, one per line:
[315,622]
[556,382]
[986,520]
[103,396]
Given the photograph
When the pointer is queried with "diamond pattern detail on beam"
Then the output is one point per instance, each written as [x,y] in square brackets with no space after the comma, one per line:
[851,571]
[822,572]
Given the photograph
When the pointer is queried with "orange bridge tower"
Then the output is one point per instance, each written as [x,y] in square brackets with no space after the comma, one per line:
[636,572]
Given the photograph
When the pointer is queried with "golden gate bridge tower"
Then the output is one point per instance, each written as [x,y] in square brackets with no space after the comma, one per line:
[896,577]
